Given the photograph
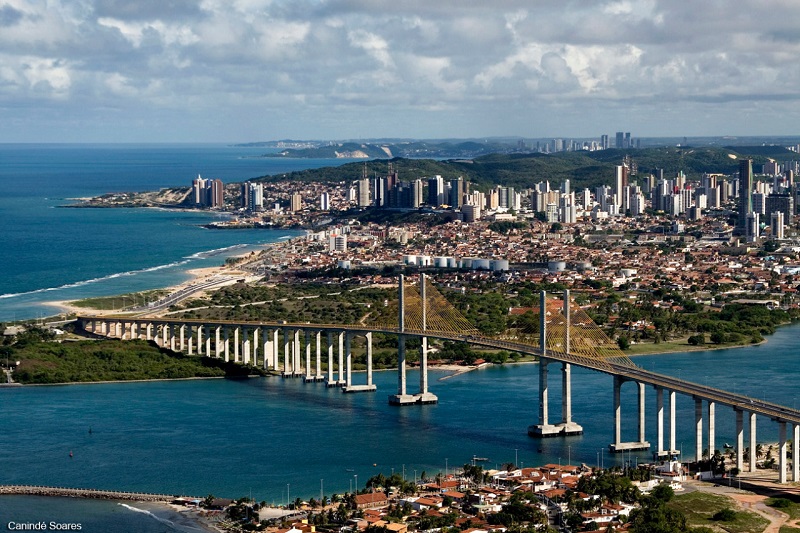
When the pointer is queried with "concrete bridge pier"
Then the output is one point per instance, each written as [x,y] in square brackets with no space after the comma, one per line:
[543,428]
[402,397]
[172,337]
[318,376]
[255,346]
[753,443]
[182,337]
[297,370]
[245,346]
[200,342]
[424,395]
[340,367]
[330,382]
[226,343]
[276,356]
[660,423]
[712,436]
[236,345]
[287,372]
[698,426]
[619,446]
[308,376]
[208,341]
[739,439]
[350,386]
[782,452]
[190,341]
[796,453]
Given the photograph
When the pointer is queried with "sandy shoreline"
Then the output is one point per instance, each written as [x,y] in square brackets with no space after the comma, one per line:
[197,276]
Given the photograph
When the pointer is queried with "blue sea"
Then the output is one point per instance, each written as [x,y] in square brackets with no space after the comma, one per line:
[270,438]
[52,254]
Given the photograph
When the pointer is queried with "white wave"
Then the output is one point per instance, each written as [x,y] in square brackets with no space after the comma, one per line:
[145,511]
[96,280]
[284,237]
[216,251]
[199,255]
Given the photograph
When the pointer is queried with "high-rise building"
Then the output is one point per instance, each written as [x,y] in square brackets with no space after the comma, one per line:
[363,192]
[457,191]
[620,183]
[506,197]
[296,202]
[604,142]
[199,190]
[435,191]
[216,193]
[471,212]
[620,139]
[745,191]
[325,201]
[782,202]
[252,196]
[776,224]
[752,229]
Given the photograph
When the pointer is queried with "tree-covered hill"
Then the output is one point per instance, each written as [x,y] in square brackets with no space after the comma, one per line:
[583,169]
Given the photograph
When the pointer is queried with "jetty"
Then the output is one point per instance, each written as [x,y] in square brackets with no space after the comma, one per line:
[38,490]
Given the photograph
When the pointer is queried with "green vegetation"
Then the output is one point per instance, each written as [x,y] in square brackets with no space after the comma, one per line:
[786,506]
[318,303]
[120,301]
[42,360]
[699,508]
[583,169]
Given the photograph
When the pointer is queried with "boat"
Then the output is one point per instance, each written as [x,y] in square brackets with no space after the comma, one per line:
[476,458]
[727,445]
[349,470]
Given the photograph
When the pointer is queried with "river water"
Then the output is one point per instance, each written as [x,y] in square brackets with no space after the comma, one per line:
[278,439]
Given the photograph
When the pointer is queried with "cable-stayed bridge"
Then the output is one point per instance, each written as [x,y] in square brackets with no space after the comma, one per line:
[560,333]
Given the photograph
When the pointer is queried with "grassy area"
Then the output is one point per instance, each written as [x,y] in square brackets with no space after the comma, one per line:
[699,507]
[677,345]
[86,361]
[790,529]
[121,301]
[786,506]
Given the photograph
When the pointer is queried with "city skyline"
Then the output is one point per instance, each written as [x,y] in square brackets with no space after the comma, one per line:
[209,71]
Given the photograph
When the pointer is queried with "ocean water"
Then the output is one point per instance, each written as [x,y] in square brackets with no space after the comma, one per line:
[50,253]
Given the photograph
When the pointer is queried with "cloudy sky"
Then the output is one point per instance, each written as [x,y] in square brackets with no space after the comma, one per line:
[246,70]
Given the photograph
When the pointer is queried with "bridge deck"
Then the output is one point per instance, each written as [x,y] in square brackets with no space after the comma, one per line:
[623,368]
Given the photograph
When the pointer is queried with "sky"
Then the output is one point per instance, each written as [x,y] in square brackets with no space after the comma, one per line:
[256,70]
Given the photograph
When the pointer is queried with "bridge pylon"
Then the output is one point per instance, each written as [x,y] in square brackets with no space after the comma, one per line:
[419,312]
[566,426]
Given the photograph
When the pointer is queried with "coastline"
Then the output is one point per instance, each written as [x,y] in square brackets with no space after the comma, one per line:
[158,507]
[197,276]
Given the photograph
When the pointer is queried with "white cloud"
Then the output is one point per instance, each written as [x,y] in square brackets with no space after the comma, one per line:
[509,60]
